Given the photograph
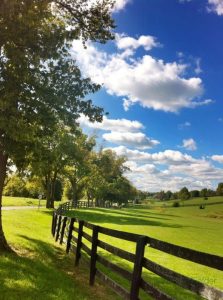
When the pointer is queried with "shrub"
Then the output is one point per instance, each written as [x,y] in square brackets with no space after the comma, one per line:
[176,204]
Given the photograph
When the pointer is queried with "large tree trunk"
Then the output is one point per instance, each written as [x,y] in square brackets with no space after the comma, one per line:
[4,247]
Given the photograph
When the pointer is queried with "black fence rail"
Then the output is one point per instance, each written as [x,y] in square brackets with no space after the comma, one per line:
[67,206]
[72,232]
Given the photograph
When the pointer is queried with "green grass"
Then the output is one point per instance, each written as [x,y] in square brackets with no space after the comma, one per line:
[21,201]
[193,201]
[41,269]
[187,226]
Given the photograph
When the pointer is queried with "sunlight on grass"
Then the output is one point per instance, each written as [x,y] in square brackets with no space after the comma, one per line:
[41,270]
[188,226]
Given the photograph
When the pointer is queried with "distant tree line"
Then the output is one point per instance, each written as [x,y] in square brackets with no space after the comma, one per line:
[185,194]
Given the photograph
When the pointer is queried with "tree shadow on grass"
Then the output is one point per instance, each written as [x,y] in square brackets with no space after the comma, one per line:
[97,216]
[47,274]
[123,212]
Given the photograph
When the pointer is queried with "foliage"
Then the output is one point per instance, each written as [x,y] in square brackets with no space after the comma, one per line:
[20,186]
[176,204]
[184,194]
[40,84]
[219,190]
[194,193]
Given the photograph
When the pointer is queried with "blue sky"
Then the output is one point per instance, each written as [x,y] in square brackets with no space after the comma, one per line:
[162,86]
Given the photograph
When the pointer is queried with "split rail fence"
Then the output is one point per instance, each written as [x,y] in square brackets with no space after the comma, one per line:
[72,232]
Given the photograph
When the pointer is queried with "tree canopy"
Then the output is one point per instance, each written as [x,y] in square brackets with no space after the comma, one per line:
[40,85]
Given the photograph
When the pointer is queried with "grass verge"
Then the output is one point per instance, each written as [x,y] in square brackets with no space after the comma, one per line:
[41,269]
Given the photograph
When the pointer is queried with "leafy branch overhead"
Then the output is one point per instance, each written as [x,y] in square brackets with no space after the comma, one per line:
[40,85]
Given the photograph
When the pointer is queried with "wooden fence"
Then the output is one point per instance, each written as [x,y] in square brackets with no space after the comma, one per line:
[65,228]
[67,206]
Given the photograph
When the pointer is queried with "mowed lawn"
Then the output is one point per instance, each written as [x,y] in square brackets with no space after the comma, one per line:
[185,226]
[41,269]
[22,201]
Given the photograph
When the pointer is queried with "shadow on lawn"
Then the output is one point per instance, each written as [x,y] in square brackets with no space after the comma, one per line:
[48,273]
[34,277]
[113,217]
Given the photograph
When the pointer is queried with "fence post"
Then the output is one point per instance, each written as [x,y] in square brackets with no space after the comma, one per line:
[55,224]
[137,271]
[71,227]
[58,228]
[63,229]
[93,255]
[79,242]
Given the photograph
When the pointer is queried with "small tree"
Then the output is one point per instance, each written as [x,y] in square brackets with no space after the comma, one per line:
[219,190]
[184,194]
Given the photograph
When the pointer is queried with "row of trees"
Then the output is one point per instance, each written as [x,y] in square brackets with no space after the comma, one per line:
[185,194]
[68,162]
[42,91]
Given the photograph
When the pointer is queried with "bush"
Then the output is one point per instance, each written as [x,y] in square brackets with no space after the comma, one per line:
[176,204]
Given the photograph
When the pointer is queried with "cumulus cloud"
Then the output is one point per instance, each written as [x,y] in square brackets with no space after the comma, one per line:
[131,139]
[146,41]
[218,158]
[189,144]
[148,81]
[168,170]
[120,125]
[216,6]
[167,157]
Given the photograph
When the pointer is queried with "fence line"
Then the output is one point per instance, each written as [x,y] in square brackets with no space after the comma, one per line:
[63,229]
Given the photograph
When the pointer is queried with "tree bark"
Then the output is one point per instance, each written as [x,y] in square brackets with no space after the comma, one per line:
[4,247]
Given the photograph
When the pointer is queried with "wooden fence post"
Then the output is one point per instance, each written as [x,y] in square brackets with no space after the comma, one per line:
[93,255]
[55,224]
[58,228]
[137,271]
[69,237]
[63,230]
[79,242]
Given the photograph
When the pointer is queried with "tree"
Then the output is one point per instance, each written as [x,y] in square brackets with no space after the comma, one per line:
[219,189]
[34,42]
[194,194]
[204,192]
[184,194]
[79,165]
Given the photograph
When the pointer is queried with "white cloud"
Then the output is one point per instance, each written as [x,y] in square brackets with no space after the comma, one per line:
[145,41]
[184,125]
[218,158]
[189,144]
[131,139]
[150,82]
[168,170]
[120,125]
[167,157]
[216,6]
[198,69]
[120,4]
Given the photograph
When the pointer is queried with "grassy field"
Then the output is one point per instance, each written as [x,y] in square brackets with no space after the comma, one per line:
[20,201]
[41,269]
[191,202]
[187,226]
